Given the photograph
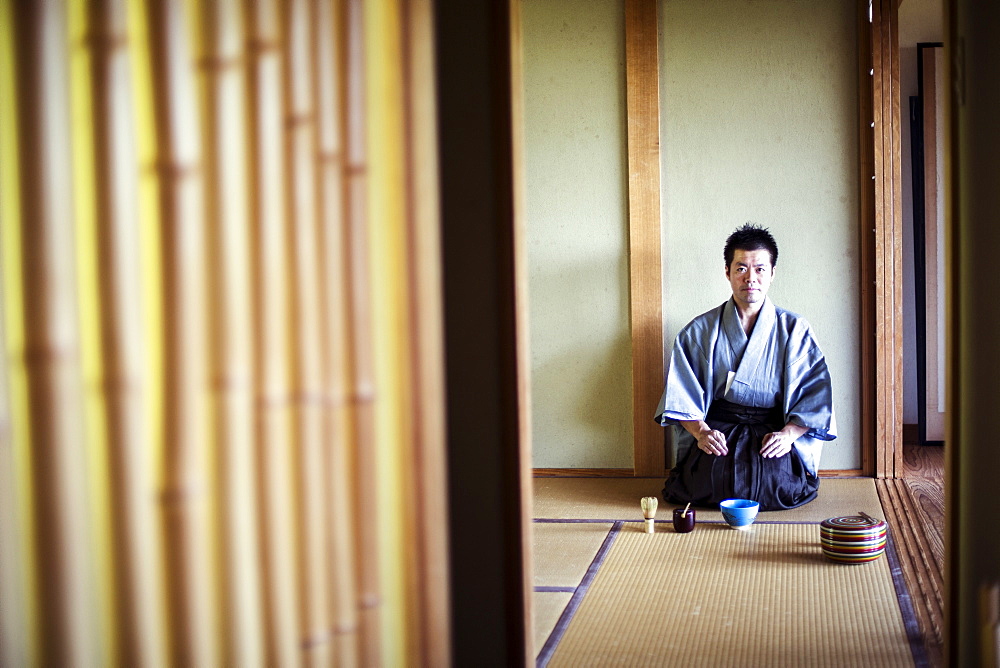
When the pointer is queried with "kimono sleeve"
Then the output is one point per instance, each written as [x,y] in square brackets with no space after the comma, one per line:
[688,386]
[809,388]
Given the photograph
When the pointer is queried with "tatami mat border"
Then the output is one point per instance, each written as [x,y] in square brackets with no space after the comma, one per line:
[567,615]
[910,624]
[628,473]
[559,520]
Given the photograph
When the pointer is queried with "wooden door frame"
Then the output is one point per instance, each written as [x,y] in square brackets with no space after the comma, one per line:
[484,318]
[503,432]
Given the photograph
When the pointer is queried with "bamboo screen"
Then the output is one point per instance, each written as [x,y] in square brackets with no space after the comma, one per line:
[220,319]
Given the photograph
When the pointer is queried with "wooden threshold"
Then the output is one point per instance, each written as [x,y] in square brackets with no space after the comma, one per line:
[842,473]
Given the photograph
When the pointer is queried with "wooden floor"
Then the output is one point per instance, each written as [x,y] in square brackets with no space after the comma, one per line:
[914,505]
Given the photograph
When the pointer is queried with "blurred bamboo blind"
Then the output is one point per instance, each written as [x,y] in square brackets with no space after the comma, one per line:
[189,385]
[135,543]
[361,390]
[51,348]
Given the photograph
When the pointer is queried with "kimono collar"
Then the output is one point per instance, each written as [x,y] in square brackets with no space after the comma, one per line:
[761,331]
[747,354]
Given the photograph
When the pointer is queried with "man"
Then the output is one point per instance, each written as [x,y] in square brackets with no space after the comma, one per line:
[751,389]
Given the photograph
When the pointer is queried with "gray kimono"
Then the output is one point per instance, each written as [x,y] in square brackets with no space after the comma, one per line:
[779,365]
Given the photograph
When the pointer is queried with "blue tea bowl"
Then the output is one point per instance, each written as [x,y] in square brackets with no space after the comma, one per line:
[739,513]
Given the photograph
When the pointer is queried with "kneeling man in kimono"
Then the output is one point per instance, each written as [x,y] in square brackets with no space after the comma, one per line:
[750,388]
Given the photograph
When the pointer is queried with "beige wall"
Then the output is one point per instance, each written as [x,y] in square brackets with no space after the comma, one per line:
[758,123]
[577,233]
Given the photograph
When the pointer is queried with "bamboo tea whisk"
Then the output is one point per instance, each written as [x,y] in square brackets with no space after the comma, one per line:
[649,511]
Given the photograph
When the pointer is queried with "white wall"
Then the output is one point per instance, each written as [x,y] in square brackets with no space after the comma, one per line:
[577,232]
[759,123]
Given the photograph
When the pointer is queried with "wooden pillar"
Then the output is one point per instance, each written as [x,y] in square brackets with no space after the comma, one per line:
[645,275]
[866,233]
[887,423]
[488,453]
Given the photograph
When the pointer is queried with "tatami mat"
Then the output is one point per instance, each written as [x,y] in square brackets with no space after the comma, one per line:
[563,552]
[720,597]
[593,498]
[618,499]
[547,607]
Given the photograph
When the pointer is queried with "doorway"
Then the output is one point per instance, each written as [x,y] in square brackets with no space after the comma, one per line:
[874,177]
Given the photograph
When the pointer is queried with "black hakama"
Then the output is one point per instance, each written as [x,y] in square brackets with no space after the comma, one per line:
[777,483]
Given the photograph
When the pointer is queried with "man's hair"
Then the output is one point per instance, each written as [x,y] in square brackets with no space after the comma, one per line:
[750,237]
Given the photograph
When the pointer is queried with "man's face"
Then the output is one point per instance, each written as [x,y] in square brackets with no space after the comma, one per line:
[750,275]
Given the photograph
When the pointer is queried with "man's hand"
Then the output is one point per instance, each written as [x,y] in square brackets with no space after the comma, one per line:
[775,444]
[712,442]
[779,443]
